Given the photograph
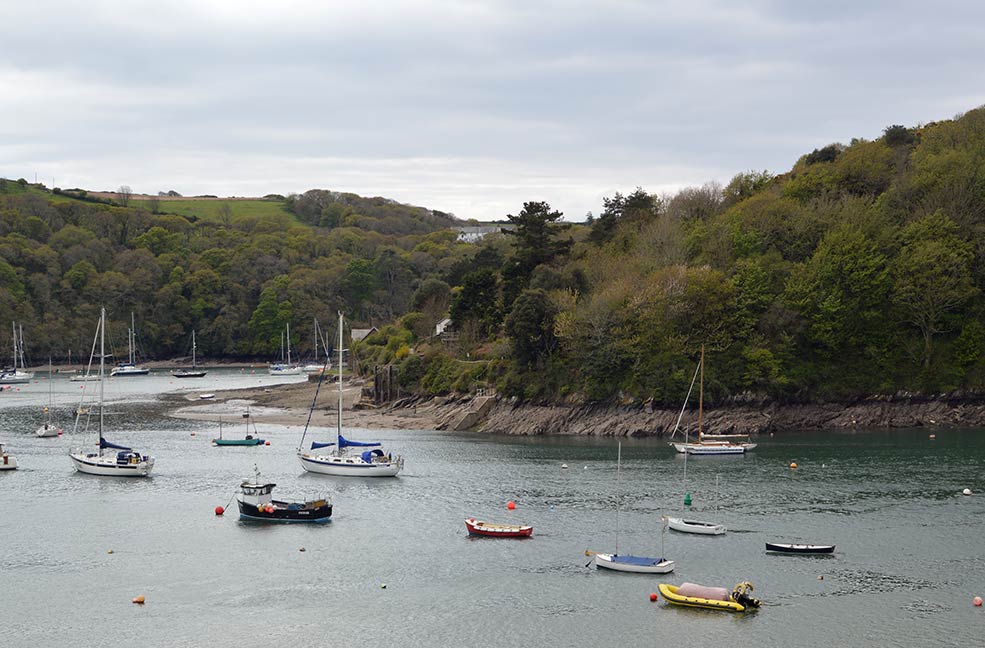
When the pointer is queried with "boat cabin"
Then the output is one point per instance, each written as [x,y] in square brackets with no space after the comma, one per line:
[256,494]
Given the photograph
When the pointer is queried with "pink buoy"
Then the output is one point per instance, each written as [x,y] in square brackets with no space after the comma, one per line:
[977,601]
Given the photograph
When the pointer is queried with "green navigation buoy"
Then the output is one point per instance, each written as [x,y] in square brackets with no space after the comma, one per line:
[687,499]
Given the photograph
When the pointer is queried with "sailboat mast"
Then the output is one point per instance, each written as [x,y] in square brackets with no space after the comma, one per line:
[13,328]
[619,491]
[701,392]
[48,409]
[193,348]
[288,344]
[340,374]
[23,364]
[102,361]
[315,335]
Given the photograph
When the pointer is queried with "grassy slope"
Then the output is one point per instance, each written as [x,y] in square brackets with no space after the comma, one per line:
[209,209]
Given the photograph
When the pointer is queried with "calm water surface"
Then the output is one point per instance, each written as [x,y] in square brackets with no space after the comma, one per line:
[909,553]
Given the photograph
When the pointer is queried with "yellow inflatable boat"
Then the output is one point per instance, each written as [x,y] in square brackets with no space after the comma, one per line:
[711,598]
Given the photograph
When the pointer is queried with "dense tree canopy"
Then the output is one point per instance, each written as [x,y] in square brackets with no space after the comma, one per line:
[858,272]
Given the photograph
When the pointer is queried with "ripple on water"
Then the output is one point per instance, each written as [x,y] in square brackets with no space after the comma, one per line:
[864,581]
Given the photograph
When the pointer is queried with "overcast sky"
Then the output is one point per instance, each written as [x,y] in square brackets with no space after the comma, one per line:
[467,107]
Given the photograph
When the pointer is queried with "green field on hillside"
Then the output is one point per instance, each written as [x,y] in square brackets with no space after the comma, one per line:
[212,210]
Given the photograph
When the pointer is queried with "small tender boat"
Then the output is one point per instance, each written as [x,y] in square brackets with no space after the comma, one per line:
[494,530]
[710,598]
[636,564]
[249,440]
[782,547]
[695,526]
[256,503]
[7,461]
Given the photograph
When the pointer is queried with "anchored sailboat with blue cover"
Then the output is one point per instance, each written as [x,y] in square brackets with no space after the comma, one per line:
[125,462]
[346,458]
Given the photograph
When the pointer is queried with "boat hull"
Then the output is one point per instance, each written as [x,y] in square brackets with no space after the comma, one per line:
[781,547]
[121,372]
[344,466]
[670,595]
[695,526]
[46,431]
[284,371]
[16,378]
[286,512]
[716,448]
[188,374]
[8,462]
[634,564]
[237,442]
[106,466]
[493,530]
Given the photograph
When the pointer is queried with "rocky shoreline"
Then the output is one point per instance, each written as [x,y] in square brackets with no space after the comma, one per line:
[493,414]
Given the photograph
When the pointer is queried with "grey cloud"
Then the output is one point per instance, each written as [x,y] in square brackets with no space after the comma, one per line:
[562,101]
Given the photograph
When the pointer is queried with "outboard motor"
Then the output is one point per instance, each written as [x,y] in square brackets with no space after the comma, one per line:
[740,594]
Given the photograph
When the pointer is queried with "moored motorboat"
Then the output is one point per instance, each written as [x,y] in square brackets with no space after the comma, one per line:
[695,526]
[494,530]
[783,547]
[635,564]
[710,598]
[256,503]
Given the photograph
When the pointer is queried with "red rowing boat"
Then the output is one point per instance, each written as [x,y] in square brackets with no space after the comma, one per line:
[494,530]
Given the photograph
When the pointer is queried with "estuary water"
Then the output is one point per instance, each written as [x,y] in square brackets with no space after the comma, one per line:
[910,548]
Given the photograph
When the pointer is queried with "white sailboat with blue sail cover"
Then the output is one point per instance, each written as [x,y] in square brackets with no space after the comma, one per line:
[624,562]
[346,458]
[125,462]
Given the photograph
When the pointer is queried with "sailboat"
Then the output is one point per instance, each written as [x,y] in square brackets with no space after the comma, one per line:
[249,440]
[130,367]
[7,461]
[707,444]
[626,563]
[48,429]
[314,367]
[372,462]
[16,374]
[194,372]
[86,372]
[283,368]
[690,525]
[125,462]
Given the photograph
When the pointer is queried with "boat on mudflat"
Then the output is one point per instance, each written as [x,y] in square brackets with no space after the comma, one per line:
[782,547]
[494,530]
[710,598]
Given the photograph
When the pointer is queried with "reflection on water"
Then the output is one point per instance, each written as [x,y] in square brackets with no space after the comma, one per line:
[908,558]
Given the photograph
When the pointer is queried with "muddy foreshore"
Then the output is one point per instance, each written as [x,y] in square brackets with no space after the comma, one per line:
[499,415]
